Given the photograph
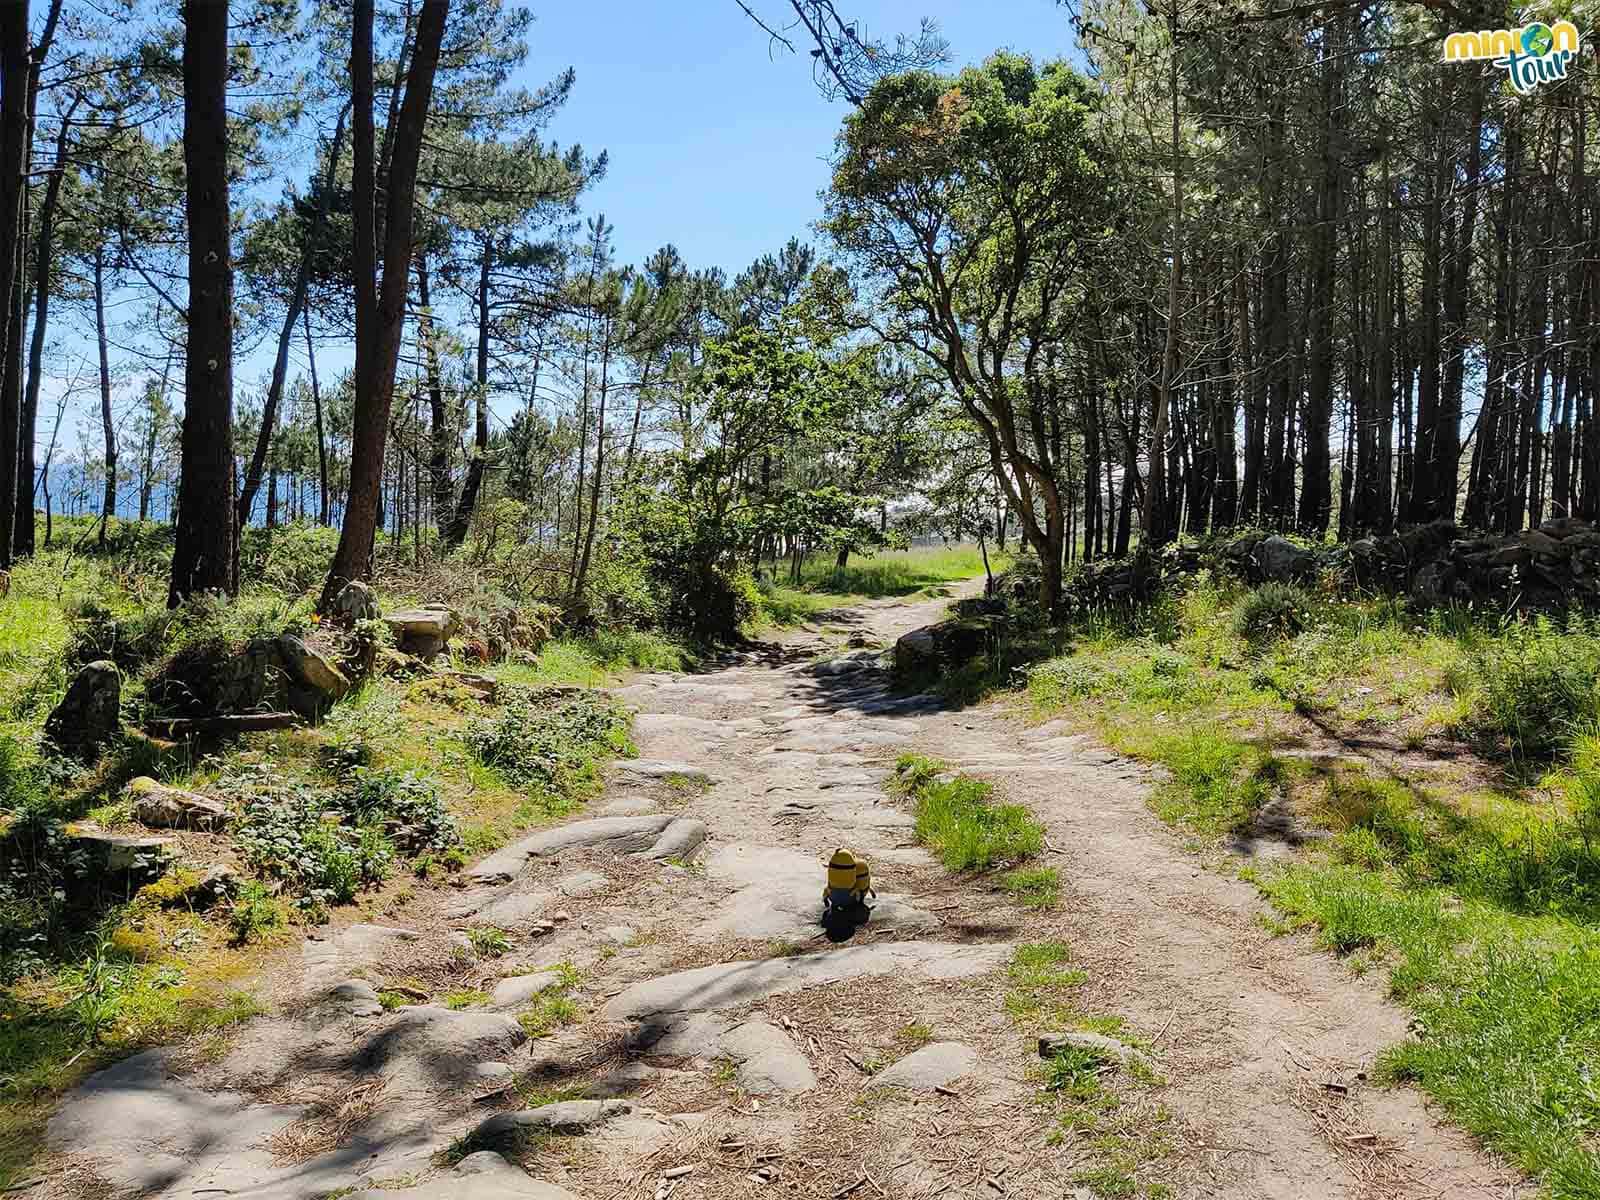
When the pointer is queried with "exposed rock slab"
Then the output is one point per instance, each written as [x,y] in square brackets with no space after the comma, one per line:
[724,985]
[663,769]
[327,961]
[933,1066]
[765,1059]
[145,1131]
[680,840]
[841,739]
[435,1045]
[520,989]
[514,910]
[619,834]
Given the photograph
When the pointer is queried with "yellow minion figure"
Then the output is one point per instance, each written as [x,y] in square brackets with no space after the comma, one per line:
[848,887]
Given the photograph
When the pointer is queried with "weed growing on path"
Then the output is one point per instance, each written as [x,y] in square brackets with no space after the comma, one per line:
[1033,887]
[554,1006]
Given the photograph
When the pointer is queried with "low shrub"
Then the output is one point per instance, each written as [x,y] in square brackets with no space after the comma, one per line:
[1272,611]
[256,913]
[407,798]
[549,740]
[286,833]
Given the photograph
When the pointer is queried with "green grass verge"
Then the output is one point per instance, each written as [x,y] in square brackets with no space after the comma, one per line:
[598,659]
[1480,905]
[1508,1009]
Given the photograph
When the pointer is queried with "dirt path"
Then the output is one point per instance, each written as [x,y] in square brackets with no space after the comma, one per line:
[698,1016]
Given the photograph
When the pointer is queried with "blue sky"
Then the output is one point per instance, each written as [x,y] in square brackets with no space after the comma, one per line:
[715,145]
[717,142]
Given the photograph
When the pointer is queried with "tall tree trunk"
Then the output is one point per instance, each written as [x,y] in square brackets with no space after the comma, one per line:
[202,556]
[1157,524]
[1316,500]
[380,316]
[44,262]
[13,152]
[441,429]
[599,464]
[108,506]
[324,498]
[297,300]
[473,483]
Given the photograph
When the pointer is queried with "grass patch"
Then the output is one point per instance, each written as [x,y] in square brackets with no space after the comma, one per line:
[488,941]
[1033,887]
[598,659]
[958,822]
[822,586]
[1040,980]
[552,1009]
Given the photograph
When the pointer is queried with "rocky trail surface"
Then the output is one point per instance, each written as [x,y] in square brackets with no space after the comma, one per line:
[702,1036]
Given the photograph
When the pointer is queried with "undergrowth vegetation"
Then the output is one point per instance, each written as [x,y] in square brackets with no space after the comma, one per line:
[391,792]
[1461,855]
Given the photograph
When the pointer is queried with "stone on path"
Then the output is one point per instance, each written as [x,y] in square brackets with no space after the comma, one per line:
[619,834]
[481,1176]
[1108,1048]
[724,985]
[520,989]
[663,769]
[933,1066]
[765,1059]
[679,840]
